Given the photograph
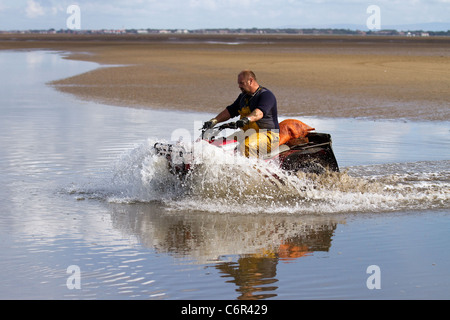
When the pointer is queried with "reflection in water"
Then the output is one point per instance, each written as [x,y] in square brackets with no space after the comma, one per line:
[254,275]
[246,249]
[57,191]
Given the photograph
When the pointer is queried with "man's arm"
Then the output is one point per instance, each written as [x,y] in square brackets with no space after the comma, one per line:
[223,116]
[252,117]
[255,115]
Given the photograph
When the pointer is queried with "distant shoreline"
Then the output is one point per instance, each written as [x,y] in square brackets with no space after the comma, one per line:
[379,77]
[430,29]
[253,37]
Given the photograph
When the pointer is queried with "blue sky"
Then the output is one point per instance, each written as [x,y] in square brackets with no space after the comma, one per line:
[197,14]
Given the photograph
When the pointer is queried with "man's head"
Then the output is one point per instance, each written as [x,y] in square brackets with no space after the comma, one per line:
[247,82]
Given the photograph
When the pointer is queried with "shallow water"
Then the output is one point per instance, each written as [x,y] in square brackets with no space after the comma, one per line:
[81,187]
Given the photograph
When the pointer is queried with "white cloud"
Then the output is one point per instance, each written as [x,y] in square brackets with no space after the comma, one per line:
[34,9]
[56,9]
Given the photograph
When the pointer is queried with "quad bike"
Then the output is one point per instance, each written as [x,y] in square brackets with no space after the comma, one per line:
[308,151]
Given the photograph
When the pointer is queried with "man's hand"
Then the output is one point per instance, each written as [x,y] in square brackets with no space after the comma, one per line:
[210,124]
[242,122]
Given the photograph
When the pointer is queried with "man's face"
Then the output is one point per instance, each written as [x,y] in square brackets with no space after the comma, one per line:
[244,84]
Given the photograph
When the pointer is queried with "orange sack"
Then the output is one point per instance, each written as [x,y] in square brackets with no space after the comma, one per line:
[293,129]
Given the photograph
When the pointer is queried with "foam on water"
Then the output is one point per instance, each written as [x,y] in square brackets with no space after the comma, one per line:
[227,183]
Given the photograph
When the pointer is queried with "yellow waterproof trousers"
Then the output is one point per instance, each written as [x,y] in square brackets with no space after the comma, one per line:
[257,143]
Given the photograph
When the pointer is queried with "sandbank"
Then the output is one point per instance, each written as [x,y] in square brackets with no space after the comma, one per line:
[323,76]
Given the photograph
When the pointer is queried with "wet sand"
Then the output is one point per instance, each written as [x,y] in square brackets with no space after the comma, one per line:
[353,76]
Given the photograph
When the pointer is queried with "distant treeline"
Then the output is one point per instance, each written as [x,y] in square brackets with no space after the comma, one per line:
[308,31]
[293,31]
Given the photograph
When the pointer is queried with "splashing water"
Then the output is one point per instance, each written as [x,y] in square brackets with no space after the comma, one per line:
[251,186]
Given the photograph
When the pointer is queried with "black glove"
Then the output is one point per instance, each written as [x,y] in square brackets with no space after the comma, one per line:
[210,124]
[242,122]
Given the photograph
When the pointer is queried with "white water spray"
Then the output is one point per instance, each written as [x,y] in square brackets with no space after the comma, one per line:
[240,185]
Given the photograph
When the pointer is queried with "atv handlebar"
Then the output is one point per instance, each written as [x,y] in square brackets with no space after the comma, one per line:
[229,125]
[210,134]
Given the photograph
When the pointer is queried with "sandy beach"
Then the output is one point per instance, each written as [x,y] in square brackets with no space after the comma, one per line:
[353,76]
